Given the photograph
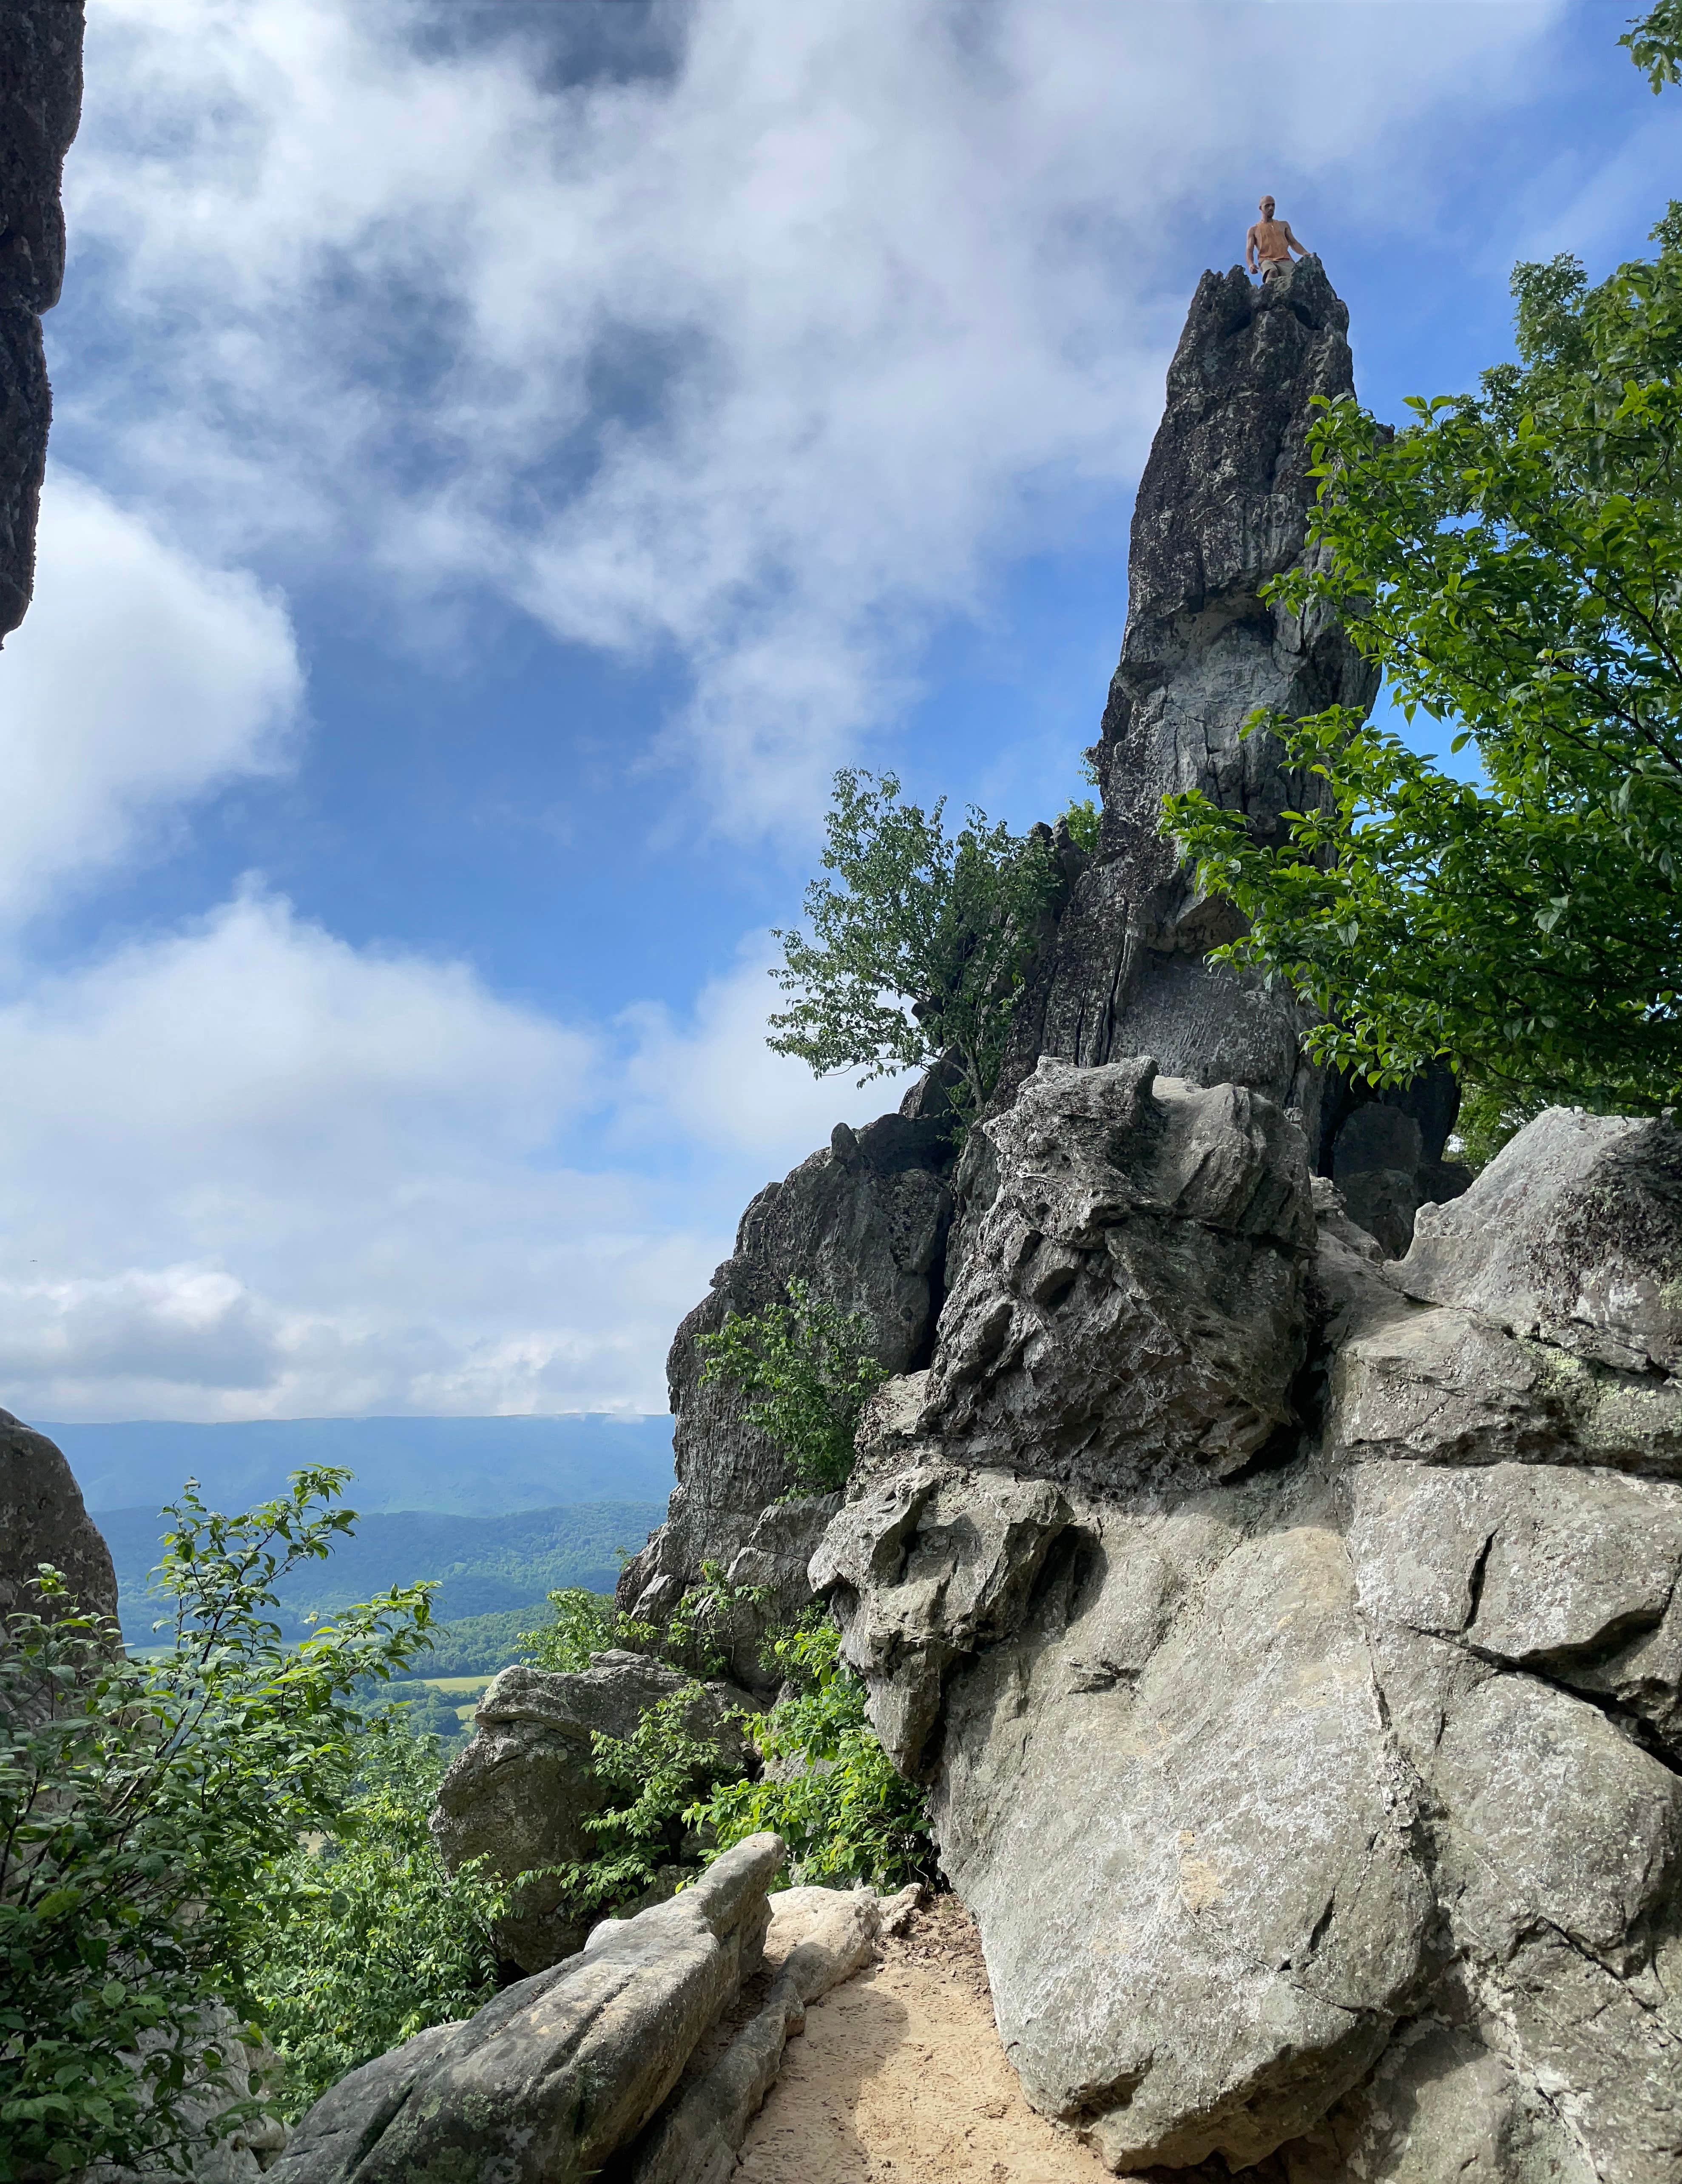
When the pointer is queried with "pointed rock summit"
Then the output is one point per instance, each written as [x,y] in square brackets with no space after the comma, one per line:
[1223,507]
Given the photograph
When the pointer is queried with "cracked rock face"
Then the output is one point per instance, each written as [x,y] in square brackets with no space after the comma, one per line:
[1223,507]
[1325,1812]
[1132,1299]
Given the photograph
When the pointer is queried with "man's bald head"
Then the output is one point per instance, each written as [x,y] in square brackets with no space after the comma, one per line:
[1266,205]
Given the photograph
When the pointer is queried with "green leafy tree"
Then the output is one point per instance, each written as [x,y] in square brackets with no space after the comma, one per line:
[1513,563]
[808,1369]
[1654,43]
[922,950]
[363,1938]
[828,1789]
[140,1805]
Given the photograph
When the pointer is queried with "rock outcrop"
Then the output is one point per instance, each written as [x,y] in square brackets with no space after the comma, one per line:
[42,1520]
[1223,507]
[1269,1554]
[652,2047]
[40,107]
[518,1794]
[1349,1782]
[864,1223]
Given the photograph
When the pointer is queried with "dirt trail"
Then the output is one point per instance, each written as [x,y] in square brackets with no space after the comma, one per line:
[900,2079]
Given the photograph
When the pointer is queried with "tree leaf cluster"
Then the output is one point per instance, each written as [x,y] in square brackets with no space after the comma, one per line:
[364,1938]
[827,1787]
[808,1369]
[1512,562]
[141,1802]
[922,950]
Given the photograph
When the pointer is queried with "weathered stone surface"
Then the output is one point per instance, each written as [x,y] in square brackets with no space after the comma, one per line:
[1172,1805]
[1573,1233]
[1572,1575]
[924,1570]
[865,1222]
[42,1520]
[519,1793]
[1445,1386]
[40,107]
[1133,1300]
[560,2071]
[818,1937]
[1440,2108]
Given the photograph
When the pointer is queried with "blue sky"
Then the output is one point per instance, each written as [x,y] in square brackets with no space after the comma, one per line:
[506,456]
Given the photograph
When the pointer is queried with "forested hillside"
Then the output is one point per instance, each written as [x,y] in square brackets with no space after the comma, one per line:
[498,1567]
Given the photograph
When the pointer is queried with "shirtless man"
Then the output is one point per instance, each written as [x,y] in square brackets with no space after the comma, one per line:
[1272,241]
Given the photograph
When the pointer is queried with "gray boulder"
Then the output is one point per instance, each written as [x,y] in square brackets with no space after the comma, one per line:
[40,108]
[519,1793]
[1573,1233]
[560,2071]
[42,1520]
[1133,1300]
[818,1938]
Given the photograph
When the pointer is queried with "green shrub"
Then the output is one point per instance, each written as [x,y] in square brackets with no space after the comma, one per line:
[365,1938]
[657,1771]
[808,1369]
[140,1804]
[582,1623]
[830,1790]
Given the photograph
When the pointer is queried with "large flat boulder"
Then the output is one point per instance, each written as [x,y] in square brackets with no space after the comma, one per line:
[560,2071]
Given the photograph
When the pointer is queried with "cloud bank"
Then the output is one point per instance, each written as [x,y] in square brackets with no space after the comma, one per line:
[751,340]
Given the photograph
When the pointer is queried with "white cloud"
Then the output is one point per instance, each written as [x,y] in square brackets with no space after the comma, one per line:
[761,355]
[714,1083]
[140,680]
[249,1171]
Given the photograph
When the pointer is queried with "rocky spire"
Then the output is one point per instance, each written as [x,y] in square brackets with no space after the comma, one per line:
[1221,508]
[40,107]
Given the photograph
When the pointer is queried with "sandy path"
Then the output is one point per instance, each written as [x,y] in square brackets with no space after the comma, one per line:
[900,2079]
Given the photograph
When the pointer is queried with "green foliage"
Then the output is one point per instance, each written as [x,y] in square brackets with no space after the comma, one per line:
[657,1771]
[1654,43]
[830,1790]
[922,950]
[698,1631]
[1513,562]
[140,1804]
[363,1938]
[582,1623]
[426,1713]
[1083,820]
[808,1370]
[1487,1117]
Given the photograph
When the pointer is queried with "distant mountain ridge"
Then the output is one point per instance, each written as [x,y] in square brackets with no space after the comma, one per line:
[487,1565]
[465,1466]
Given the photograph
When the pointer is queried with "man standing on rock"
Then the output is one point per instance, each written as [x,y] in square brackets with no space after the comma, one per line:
[1272,241]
